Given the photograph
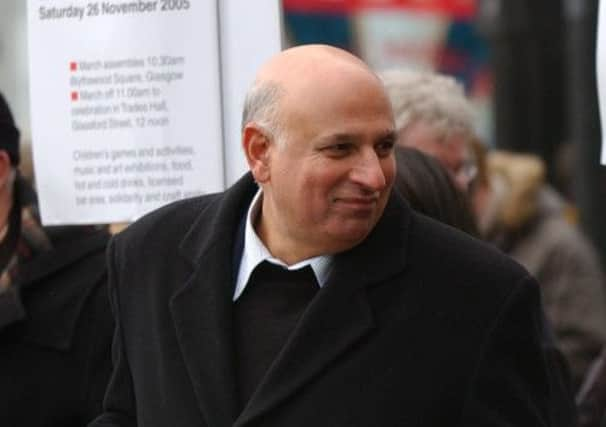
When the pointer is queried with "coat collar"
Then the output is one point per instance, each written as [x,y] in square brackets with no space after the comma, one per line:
[218,220]
[338,317]
[202,307]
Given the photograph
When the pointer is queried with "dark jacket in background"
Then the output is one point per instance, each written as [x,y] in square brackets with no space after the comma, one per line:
[55,334]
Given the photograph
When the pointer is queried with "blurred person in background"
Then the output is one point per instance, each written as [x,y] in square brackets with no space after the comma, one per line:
[427,186]
[55,321]
[526,218]
[433,115]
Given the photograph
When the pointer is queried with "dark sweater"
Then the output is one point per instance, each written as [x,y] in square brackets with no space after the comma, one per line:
[264,317]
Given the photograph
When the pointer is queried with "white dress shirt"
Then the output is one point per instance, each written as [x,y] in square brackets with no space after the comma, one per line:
[255,252]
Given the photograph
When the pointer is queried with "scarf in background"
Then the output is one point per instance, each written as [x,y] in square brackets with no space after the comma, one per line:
[23,238]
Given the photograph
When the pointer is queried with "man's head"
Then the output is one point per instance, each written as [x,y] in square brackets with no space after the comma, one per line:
[433,115]
[318,134]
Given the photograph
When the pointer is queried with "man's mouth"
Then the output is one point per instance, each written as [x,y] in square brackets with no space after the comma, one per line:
[358,202]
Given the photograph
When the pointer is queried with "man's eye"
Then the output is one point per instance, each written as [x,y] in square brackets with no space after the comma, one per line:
[338,149]
[385,148]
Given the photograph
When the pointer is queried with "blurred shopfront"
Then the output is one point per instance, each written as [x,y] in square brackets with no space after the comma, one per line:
[431,34]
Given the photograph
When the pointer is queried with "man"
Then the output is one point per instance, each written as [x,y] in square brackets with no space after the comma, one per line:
[433,115]
[55,321]
[407,322]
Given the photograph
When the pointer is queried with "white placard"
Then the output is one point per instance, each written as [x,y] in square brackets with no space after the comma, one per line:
[601,73]
[125,106]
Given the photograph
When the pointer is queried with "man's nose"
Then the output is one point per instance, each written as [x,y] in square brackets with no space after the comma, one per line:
[369,173]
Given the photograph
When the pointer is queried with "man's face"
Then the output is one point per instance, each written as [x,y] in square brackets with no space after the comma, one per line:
[331,178]
[452,153]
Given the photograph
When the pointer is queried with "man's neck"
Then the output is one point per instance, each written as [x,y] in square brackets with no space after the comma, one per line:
[281,249]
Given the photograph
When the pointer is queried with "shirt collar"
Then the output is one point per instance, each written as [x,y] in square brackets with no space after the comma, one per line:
[255,252]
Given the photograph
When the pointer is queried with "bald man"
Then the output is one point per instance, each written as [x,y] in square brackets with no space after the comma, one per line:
[309,294]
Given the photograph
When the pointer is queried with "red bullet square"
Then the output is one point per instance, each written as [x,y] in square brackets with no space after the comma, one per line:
[73,66]
[74,96]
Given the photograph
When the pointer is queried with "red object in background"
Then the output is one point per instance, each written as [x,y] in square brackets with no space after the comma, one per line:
[74,96]
[458,8]
[73,66]
[320,6]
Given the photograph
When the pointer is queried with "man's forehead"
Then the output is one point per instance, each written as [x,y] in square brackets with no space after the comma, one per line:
[313,68]
[336,116]
[297,59]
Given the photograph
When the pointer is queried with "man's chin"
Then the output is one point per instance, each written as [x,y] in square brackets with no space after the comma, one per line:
[352,233]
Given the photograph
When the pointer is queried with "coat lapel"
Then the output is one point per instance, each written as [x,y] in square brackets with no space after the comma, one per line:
[339,316]
[202,308]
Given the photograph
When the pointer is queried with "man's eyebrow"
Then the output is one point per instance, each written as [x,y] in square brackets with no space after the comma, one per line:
[341,138]
[389,135]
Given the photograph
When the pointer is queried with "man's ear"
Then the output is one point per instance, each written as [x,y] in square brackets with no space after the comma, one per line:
[257,145]
[5,167]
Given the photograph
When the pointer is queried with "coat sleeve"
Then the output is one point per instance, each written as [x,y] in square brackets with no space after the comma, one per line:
[119,409]
[511,385]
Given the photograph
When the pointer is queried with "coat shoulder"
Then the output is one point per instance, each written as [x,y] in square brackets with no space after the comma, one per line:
[166,225]
[449,255]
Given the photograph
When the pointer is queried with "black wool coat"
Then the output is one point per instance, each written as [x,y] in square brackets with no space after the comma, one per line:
[419,325]
[55,336]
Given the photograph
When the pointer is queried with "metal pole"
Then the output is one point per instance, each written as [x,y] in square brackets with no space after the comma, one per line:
[526,48]
[583,118]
